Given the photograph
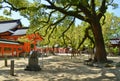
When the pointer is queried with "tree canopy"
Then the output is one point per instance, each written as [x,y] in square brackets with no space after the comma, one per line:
[51,14]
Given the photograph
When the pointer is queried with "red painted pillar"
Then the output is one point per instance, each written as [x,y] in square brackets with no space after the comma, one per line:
[12,51]
[2,50]
[17,51]
[34,43]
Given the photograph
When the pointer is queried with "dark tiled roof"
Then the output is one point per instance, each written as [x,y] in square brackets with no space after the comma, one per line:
[11,21]
[8,25]
[21,31]
[115,41]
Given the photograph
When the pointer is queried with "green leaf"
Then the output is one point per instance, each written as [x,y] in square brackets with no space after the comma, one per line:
[7,12]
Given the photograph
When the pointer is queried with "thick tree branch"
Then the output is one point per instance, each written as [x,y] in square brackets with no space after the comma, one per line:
[91,39]
[58,21]
[49,17]
[51,34]
[102,9]
[46,30]
[85,37]
[55,23]
[84,9]
[12,6]
[64,41]
[66,12]
[68,27]
[92,4]
[110,2]
[69,13]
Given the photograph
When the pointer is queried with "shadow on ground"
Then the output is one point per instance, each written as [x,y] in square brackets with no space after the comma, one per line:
[61,68]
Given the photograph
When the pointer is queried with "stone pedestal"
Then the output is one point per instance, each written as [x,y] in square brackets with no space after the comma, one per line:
[33,62]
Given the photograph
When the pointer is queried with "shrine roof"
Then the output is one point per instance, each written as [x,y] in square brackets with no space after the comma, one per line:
[9,42]
[115,41]
[8,25]
[21,31]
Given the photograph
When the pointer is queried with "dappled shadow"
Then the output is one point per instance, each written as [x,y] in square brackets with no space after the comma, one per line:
[60,68]
[105,75]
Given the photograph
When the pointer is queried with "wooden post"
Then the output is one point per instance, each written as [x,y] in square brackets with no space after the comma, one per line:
[6,61]
[12,68]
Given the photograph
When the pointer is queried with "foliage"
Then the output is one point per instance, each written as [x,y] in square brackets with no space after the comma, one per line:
[111,30]
[111,27]
[23,39]
[2,18]
[118,64]
[47,16]
[115,50]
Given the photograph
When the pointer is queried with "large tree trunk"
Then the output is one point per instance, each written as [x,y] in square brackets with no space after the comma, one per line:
[100,54]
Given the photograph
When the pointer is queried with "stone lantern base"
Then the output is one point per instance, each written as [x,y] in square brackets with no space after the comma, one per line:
[33,62]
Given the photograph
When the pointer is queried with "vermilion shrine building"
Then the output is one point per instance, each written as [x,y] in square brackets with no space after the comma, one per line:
[10,31]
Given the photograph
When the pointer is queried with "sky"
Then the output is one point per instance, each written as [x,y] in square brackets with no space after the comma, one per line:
[117,10]
[16,15]
[26,23]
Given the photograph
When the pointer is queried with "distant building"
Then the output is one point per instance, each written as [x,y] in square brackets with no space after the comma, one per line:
[115,42]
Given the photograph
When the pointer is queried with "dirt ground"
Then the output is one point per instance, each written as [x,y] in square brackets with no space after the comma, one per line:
[59,68]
